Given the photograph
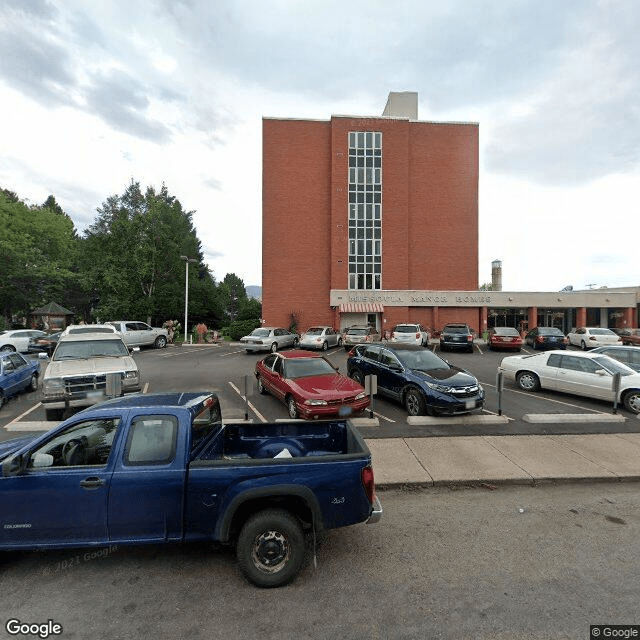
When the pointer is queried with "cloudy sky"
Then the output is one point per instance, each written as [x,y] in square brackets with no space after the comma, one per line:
[96,94]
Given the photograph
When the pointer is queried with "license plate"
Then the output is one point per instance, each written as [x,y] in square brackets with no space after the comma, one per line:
[470,403]
[95,395]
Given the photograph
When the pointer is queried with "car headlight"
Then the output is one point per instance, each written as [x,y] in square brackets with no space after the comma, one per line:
[441,388]
[53,386]
[315,403]
[129,375]
[361,396]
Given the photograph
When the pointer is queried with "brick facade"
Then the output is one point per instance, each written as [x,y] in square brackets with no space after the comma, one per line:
[429,216]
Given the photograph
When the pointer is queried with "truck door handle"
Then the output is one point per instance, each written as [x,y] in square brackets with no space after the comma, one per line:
[92,483]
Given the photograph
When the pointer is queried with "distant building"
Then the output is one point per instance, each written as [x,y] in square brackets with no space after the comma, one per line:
[374,219]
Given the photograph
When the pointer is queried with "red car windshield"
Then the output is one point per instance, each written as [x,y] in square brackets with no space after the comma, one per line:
[305,367]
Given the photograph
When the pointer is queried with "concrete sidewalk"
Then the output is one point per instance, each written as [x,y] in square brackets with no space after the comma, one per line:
[495,460]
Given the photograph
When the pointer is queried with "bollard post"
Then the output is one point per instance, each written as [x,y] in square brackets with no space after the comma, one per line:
[246,398]
[371,388]
[615,387]
[499,386]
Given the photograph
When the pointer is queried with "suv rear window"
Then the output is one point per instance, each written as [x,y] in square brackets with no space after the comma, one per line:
[457,329]
[407,328]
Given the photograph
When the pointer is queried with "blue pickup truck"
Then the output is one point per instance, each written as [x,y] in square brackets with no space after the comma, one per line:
[164,468]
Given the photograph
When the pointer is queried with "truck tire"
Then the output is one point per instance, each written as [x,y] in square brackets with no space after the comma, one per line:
[271,548]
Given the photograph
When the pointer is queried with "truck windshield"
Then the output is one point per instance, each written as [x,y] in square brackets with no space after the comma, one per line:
[84,349]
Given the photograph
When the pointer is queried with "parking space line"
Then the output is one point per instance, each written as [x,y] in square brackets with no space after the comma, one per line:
[379,415]
[22,415]
[250,405]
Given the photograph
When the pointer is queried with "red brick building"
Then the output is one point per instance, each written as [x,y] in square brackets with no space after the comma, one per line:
[357,207]
[375,220]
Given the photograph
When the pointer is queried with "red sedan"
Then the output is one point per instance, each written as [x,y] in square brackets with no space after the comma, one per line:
[309,385]
[504,338]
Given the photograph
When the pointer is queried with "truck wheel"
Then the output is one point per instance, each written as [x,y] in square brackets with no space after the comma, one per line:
[271,548]
[160,343]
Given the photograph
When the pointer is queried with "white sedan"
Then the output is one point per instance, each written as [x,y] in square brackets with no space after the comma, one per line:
[269,339]
[584,374]
[592,337]
[18,339]
[320,338]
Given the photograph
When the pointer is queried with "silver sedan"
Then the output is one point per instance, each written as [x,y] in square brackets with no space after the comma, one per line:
[320,338]
[269,339]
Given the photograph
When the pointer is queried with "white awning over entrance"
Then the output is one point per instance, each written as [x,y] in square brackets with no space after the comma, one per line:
[361,307]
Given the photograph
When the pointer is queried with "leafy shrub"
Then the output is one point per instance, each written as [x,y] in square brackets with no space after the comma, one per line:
[241,328]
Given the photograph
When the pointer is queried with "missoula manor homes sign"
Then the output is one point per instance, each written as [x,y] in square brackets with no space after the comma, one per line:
[601,298]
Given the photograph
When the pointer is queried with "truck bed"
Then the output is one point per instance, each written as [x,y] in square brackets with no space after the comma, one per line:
[283,440]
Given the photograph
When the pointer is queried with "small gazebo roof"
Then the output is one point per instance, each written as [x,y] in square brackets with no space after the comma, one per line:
[52,309]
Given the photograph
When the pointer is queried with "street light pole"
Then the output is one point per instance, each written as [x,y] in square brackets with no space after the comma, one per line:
[186,290]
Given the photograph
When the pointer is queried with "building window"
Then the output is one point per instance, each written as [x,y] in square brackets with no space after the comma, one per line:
[365,209]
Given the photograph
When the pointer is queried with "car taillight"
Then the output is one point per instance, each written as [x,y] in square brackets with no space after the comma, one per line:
[368,483]
[417,336]
[565,340]
[540,339]
[469,338]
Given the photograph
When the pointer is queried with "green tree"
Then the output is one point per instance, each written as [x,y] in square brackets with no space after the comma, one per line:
[131,254]
[37,253]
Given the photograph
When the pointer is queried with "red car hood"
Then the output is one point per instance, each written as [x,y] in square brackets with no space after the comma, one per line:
[330,387]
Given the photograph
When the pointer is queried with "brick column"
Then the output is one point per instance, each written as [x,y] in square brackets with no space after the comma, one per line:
[436,322]
[628,318]
[581,317]
[483,319]
[532,318]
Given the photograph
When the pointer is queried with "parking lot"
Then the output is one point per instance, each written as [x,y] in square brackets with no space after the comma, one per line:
[228,370]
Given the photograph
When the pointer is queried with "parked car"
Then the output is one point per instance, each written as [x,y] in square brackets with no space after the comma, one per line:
[456,335]
[320,338]
[309,385]
[417,378]
[44,344]
[591,337]
[18,339]
[410,334]
[77,374]
[504,338]
[140,334]
[88,328]
[359,333]
[625,354]
[584,374]
[17,374]
[269,339]
[632,336]
[546,338]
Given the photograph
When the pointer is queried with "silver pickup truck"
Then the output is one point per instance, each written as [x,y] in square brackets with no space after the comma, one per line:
[140,334]
[80,368]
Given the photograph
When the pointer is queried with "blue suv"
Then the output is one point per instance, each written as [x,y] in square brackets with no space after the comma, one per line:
[416,377]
